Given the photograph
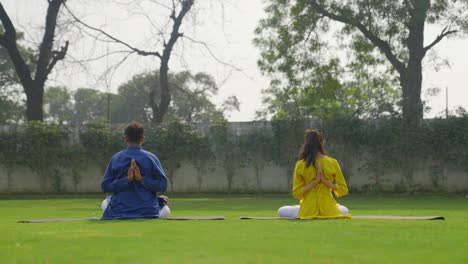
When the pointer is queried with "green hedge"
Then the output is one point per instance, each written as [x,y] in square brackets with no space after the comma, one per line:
[387,144]
[390,144]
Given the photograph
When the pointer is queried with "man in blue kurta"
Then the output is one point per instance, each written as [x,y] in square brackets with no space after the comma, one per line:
[133,176]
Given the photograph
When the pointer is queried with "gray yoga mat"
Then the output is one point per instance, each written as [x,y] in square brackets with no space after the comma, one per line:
[49,220]
[379,217]
[398,217]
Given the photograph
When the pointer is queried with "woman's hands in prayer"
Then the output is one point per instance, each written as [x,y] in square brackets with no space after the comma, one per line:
[321,178]
[316,181]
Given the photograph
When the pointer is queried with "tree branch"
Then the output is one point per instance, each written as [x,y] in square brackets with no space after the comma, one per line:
[175,34]
[445,32]
[56,56]
[136,50]
[212,53]
[46,47]
[381,44]
[179,88]
[159,110]
[192,94]
[47,56]
[8,40]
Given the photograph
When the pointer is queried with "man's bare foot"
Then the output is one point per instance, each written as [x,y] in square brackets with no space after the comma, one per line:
[165,198]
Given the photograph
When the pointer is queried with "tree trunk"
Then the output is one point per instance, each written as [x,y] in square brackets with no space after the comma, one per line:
[34,101]
[46,60]
[160,109]
[411,87]
[411,78]
[410,73]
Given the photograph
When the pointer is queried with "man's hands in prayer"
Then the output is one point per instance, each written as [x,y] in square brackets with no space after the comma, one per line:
[130,174]
[134,172]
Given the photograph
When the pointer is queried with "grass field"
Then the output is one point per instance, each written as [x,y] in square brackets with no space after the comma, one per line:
[236,241]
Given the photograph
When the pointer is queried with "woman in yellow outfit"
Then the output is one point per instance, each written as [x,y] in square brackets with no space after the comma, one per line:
[316,176]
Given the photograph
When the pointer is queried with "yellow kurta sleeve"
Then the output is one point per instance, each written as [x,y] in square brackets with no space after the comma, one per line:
[341,187]
[298,181]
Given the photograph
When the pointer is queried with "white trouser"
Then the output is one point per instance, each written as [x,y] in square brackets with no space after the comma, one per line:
[164,212]
[291,211]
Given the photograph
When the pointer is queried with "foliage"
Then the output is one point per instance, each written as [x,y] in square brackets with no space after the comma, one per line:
[391,145]
[57,101]
[11,111]
[11,106]
[191,101]
[135,94]
[176,142]
[41,148]
[201,155]
[384,146]
[33,71]
[8,75]
[9,158]
[191,97]
[75,159]
[287,138]
[330,58]
[100,143]
[227,150]
[256,148]
[83,106]
[448,140]
[90,106]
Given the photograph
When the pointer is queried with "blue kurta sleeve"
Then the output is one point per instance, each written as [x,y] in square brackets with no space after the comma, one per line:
[111,184]
[157,181]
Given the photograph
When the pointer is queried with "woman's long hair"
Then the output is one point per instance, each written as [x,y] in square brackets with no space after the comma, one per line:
[313,144]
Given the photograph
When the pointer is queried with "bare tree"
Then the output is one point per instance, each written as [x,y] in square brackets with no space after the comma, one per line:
[160,109]
[47,58]
[159,105]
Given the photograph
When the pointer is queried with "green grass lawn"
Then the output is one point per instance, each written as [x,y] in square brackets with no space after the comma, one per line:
[236,241]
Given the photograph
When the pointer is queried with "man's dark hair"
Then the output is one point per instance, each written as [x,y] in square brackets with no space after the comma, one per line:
[134,132]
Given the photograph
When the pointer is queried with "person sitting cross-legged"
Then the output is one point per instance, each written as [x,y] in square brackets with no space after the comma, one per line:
[134,176]
[317,180]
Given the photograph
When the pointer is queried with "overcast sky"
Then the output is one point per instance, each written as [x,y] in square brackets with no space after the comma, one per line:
[228,31]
